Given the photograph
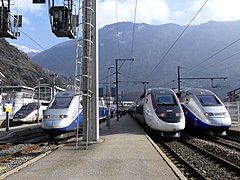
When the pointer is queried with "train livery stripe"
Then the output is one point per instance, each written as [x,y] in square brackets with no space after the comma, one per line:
[193,120]
[71,127]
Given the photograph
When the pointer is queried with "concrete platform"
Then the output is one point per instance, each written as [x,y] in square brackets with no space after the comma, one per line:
[14,129]
[123,152]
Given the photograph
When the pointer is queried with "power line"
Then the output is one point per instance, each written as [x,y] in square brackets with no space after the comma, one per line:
[134,23]
[218,62]
[207,59]
[177,39]
[25,34]
[32,40]
[118,40]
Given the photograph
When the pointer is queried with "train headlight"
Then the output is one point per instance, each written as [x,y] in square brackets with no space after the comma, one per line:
[225,114]
[208,114]
[46,117]
[162,115]
[63,116]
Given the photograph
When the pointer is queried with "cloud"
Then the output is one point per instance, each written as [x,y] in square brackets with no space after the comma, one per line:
[168,11]
[148,11]
[217,10]
[26,6]
[224,10]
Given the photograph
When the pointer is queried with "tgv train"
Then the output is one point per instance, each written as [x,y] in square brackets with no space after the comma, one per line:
[160,109]
[30,113]
[103,110]
[204,110]
[64,113]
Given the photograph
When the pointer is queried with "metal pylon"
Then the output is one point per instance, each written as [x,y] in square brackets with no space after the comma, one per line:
[83,67]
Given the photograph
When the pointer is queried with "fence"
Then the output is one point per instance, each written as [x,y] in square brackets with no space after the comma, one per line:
[234,110]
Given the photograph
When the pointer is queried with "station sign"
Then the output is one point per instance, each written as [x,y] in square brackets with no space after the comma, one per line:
[8,107]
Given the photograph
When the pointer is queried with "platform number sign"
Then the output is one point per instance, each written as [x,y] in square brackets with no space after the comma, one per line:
[39,1]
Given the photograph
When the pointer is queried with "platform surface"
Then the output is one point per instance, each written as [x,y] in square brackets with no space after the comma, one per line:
[123,152]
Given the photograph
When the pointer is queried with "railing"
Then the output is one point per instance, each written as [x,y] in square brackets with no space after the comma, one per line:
[234,111]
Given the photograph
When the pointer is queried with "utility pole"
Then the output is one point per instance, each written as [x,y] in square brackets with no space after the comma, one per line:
[117,82]
[179,78]
[53,76]
[109,96]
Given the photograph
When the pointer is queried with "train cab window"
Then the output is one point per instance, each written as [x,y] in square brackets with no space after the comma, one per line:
[165,99]
[208,100]
[61,102]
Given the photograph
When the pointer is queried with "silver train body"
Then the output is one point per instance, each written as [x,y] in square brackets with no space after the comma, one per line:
[30,113]
[160,109]
[204,110]
[64,113]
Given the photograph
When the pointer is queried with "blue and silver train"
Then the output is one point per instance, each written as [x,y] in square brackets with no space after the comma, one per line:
[64,113]
[204,110]
[160,109]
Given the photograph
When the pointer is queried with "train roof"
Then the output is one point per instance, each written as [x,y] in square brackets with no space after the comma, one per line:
[67,94]
[197,91]
[160,90]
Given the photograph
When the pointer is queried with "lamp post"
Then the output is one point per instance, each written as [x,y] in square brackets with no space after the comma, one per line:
[109,95]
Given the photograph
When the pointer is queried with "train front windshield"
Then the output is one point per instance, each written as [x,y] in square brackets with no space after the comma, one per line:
[167,108]
[208,100]
[26,109]
[162,100]
[61,102]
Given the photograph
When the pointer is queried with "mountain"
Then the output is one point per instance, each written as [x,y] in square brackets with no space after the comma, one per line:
[30,52]
[17,69]
[202,51]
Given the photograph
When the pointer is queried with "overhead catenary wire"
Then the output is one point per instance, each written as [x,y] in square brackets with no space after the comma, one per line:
[32,40]
[133,37]
[174,43]
[27,35]
[209,66]
[117,24]
[213,55]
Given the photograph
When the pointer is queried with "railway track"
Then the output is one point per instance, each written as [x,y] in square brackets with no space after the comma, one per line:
[219,146]
[206,164]
[27,136]
[13,156]
[187,169]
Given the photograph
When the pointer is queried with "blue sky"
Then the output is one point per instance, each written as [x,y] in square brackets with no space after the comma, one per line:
[36,22]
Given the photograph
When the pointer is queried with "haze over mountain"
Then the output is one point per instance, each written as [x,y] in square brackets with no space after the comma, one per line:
[202,51]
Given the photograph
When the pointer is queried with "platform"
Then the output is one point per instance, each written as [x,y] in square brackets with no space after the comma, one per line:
[123,152]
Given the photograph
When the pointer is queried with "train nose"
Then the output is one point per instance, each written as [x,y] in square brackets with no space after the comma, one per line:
[226,122]
[47,124]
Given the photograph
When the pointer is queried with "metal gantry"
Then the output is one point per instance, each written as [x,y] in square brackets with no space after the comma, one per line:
[9,24]
[179,78]
[116,66]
